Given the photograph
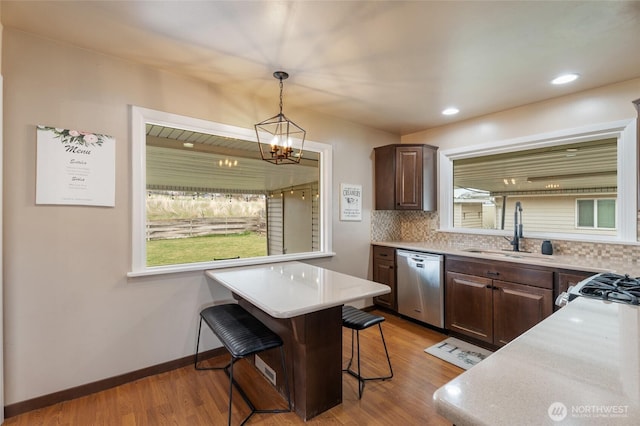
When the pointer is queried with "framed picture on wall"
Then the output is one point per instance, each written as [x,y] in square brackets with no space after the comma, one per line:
[350,202]
[75,167]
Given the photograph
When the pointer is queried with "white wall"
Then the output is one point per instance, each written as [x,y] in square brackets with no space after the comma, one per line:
[601,105]
[71,315]
[1,254]
[1,260]
[1,241]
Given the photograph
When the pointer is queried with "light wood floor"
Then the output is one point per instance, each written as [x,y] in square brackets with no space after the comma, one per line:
[189,397]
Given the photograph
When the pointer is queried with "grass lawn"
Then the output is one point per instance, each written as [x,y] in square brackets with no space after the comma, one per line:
[205,249]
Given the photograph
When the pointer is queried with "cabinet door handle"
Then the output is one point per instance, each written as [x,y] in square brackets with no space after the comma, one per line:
[383,255]
[493,274]
[489,286]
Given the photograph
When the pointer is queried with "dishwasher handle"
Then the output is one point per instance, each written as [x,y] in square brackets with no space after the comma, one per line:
[419,258]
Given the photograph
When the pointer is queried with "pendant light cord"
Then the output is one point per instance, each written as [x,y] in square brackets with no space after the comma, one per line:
[281,86]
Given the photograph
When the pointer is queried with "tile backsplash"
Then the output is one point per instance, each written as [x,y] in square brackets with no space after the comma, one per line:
[390,225]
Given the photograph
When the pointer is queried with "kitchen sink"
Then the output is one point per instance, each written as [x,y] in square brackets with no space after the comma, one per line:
[510,254]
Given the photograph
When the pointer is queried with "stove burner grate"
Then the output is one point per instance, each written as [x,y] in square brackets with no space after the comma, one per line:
[613,287]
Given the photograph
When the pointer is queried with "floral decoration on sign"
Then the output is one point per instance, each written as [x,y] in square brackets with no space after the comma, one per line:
[76,137]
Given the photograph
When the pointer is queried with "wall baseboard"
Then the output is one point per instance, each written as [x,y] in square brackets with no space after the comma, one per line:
[89,388]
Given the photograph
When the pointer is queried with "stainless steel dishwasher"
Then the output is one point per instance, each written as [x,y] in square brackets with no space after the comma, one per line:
[420,286]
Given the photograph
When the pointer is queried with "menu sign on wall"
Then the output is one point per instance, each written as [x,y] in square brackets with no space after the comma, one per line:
[75,167]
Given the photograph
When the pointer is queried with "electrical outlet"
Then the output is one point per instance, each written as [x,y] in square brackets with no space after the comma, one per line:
[267,371]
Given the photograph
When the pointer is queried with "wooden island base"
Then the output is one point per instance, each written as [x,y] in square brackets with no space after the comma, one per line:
[313,350]
[303,304]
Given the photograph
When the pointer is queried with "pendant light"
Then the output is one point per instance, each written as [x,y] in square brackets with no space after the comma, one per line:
[276,135]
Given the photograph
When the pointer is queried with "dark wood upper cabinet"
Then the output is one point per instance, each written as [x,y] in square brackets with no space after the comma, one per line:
[408,178]
[405,177]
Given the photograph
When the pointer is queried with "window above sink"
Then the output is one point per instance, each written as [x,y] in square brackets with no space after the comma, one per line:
[578,184]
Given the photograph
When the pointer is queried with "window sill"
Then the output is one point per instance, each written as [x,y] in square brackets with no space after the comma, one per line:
[203,266]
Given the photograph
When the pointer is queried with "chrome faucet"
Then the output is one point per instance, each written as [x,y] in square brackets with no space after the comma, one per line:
[517,227]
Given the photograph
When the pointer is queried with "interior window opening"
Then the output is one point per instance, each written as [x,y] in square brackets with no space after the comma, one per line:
[548,182]
[212,198]
[203,197]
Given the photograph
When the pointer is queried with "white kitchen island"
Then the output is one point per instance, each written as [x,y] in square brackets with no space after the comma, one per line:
[580,366]
[303,304]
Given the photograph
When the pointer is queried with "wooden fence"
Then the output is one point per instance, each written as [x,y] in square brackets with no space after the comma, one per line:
[185,228]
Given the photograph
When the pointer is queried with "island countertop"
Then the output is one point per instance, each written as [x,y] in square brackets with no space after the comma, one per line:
[289,289]
[580,366]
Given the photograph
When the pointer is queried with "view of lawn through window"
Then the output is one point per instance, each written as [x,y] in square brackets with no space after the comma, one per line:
[217,201]
[203,197]
[189,227]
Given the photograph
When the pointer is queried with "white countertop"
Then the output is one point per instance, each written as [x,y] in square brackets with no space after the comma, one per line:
[289,289]
[552,261]
[585,356]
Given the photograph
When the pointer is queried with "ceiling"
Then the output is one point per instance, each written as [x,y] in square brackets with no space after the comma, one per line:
[216,164]
[585,167]
[393,65]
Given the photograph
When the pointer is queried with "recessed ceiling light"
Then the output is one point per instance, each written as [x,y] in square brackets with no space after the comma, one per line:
[565,78]
[450,111]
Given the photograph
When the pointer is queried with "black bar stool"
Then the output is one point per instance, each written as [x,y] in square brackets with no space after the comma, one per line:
[357,320]
[242,335]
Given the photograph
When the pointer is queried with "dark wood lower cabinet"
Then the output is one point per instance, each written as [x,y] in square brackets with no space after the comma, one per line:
[487,300]
[469,307]
[490,310]
[570,278]
[384,272]
[517,308]
[566,279]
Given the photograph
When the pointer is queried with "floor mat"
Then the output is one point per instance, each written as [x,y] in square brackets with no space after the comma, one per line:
[457,352]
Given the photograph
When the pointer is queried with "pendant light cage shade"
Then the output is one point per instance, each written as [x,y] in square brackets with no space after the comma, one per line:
[281,141]
[276,138]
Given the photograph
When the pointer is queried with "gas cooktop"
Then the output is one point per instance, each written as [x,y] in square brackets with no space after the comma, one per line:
[609,286]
